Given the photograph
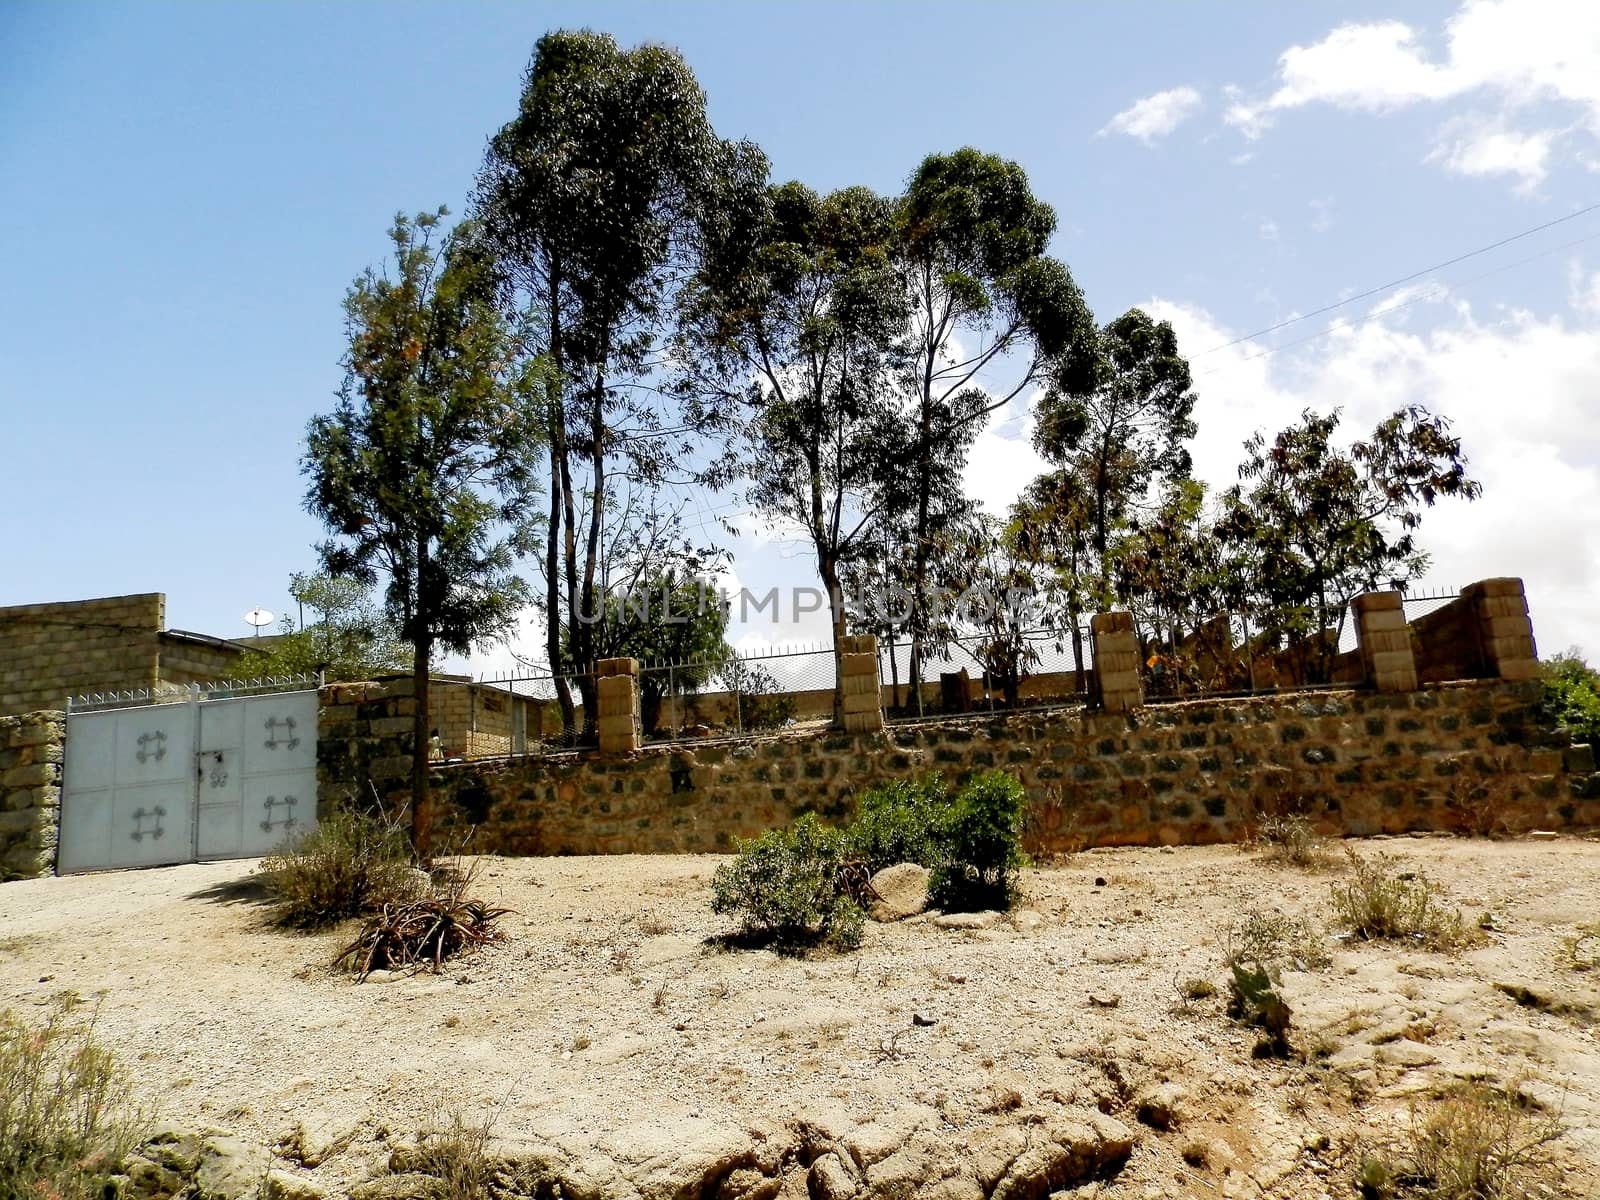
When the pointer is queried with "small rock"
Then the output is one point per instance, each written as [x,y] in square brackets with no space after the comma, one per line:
[922,1019]
[379,976]
[1099,881]
[902,892]
[1026,920]
[283,1185]
[829,1180]
[1162,1106]
[1104,1001]
[230,1169]
[977,920]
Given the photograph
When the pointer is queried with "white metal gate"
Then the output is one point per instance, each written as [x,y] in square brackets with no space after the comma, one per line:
[212,776]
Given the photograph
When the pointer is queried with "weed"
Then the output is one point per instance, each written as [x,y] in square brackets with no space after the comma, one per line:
[67,1116]
[1197,988]
[352,863]
[455,1154]
[1277,941]
[1583,948]
[653,924]
[1479,1143]
[1255,1000]
[1291,838]
[1381,902]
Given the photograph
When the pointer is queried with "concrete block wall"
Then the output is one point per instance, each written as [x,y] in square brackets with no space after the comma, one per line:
[1384,640]
[31,752]
[1116,659]
[51,651]
[617,704]
[858,680]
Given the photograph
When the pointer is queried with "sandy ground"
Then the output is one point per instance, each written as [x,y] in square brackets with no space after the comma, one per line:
[608,1018]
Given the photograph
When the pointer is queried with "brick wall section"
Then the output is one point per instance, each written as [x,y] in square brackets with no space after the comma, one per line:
[30,792]
[858,683]
[1505,631]
[1384,642]
[1116,659]
[1445,643]
[51,651]
[189,660]
[364,736]
[1194,772]
[617,705]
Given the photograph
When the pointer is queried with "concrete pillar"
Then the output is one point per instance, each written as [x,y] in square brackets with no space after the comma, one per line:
[1505,631]
[1116,662]
[1385,640]
[617,702]
[858,679]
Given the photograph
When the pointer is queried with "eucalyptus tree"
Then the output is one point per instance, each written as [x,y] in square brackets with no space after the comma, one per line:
[788,343]
[1051,526]
[990,316]
[591,195]
[1122,426]
[1312,524]
[422,471]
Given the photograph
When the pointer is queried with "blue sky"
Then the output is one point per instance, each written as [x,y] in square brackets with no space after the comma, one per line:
[191,188]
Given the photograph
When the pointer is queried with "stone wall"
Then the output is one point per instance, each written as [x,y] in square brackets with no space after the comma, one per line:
[30,792]
[195,658]
[1473,755]
[51,651]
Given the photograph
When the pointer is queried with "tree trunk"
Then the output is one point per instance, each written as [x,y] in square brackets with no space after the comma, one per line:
[421,737]
[829,570]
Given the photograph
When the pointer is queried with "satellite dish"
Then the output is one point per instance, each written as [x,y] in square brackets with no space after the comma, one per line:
[258,617]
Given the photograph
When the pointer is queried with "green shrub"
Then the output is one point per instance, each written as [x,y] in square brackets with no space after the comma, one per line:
[901,822]
[1572,696]
[1277,941]
[788,887]
[980,852]
[1380,902]
[66,1112]
[1253,998]
[351,863]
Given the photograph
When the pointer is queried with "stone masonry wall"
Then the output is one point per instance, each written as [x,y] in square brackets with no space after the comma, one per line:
[30,792]
[51,651]
[1473,755]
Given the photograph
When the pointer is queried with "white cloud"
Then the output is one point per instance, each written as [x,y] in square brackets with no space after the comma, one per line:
[1514,51]
[1485,146]
[1518,389]
[1156,116]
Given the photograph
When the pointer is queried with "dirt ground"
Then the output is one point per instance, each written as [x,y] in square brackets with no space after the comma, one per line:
[609,1024]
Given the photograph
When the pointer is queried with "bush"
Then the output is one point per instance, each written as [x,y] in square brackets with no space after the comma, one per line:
[1277,941]
[1572,696]
[1291,838]
[1253,998]
[1380,902]
[1480,1143]
[66,1111]
[980,846]
[901,822]
[352,863]
[789,886]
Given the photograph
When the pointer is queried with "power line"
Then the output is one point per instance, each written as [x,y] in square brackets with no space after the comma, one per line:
[1384,287]
[1437,293]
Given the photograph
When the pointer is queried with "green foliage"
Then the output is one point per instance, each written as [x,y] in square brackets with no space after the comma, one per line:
[761,704]
[901,822]
[67,1116]
[788,887]
[1572,696]
[423,471]
[349,639]
[1313,524]
[1380,901]
[352,863]
[1254,998]
[980,837]
[1277,941]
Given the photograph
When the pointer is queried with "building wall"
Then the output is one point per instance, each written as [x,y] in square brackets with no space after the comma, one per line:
[187,661]
[51,651]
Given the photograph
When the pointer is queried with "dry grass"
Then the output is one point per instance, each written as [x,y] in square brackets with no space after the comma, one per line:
[351,864]
[67,1115]
[1382,902]
[424,932]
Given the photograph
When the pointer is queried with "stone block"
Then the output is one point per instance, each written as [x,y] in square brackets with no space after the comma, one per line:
[30,776]
[1111,622]
[859,702]
[390,726]
[1386,662]
[1386,641]
[1503,627]
[1119,681]
[1382,621]
[1117,662]
[1371,602]
[1519,669]
[615,727]
[859,684]
[1579,759]
[866,722]
[1504,649]
[859,643]
[609,667]
[1503,606]
[1508,586]
[859,664]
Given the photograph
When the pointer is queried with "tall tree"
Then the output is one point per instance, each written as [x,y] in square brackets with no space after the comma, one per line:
[989,317]
[1313,524]
[421,472]
[348,638]
[788,338]
[1052,528]
[1126,430]
[589,195]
